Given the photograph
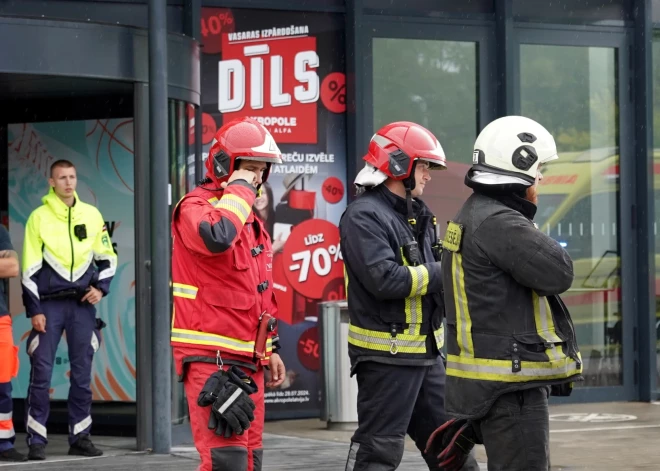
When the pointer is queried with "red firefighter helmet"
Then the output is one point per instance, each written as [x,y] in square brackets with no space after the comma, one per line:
[396,147]
[242,138]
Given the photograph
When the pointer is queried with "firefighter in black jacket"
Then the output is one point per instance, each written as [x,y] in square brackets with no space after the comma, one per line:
[390,248]
[511,341]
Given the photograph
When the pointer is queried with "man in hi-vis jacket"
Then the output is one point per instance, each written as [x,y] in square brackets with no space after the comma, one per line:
[68,264]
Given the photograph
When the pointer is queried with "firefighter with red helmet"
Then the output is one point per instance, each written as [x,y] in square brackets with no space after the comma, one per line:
[390,246]
[224,328]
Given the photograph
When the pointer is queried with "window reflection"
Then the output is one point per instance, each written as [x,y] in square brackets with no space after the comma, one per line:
[656,180]
[434,83]
[180,184]
[572,91]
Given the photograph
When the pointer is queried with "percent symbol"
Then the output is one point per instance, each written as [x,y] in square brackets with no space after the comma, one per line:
[226,19]
[333,92]
[334,250]
[339,89]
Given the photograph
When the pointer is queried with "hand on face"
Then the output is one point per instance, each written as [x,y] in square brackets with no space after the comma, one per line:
[242,174]
[249,170]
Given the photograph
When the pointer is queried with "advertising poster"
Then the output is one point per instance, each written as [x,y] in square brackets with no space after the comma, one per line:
[102,151]
[286,70]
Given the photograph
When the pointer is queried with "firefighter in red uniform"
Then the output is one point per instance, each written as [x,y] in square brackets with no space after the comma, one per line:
[224,330]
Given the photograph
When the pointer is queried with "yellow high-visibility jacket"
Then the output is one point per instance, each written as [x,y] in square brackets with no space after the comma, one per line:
[60,245]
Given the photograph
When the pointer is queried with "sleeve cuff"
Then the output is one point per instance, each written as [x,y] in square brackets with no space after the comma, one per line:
[243,183]
[276,344]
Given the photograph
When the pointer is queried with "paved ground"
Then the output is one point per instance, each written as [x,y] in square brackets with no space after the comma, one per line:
[281,454]
[599,437]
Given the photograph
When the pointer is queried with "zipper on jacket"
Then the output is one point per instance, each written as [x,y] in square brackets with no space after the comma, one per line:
[71,241]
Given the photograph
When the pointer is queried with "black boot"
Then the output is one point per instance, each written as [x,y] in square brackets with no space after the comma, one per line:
[37,452]
[12,455]
[84,447]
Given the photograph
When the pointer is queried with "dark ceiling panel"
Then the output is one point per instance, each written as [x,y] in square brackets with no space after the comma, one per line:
[19,86]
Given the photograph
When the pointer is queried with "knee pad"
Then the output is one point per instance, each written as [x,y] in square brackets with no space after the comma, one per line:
[231,458]
[257,459]
[376,453]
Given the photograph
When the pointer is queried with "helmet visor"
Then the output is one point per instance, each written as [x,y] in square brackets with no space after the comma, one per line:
[271,159]
[434,163]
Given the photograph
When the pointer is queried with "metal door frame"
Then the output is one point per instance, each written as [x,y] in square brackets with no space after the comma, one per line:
[620,39]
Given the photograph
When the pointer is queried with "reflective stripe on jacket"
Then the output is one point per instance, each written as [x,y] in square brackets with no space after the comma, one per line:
[395,307]
[507,328]
[56,259]
[222,276]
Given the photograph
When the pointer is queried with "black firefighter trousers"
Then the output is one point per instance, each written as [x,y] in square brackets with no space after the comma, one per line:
[394,400]
[516,431]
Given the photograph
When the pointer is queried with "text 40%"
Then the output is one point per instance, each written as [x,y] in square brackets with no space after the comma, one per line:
[215,23]
[321,260]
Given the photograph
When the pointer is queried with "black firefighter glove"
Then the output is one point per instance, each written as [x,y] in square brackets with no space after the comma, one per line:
[452,443]
[227,392]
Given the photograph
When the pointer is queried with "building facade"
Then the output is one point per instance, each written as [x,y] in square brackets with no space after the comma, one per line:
[323,75]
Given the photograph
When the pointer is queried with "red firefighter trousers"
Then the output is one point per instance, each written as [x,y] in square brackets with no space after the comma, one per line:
[237,453]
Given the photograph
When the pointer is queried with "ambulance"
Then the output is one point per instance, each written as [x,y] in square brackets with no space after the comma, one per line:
[579,206]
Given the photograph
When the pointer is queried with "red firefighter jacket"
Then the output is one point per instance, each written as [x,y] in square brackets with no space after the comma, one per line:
[222,277]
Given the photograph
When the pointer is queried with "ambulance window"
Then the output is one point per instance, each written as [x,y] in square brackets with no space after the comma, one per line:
[589,228]
[548,204]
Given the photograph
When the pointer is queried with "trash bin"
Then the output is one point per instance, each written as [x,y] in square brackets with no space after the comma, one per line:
[339,389]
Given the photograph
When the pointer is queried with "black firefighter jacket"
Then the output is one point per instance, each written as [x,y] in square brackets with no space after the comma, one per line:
[395,305]
[507,328]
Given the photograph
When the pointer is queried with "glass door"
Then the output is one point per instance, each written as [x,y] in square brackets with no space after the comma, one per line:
[576,84]
[439,76]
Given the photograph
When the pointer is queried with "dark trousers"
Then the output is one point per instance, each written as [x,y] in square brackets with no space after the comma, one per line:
[83,339]
[7,435]
[394,400]
[516,432]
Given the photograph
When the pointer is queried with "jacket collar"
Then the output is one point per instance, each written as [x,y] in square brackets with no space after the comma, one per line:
[399,204]
[58,207]
[513,201]
[511,195]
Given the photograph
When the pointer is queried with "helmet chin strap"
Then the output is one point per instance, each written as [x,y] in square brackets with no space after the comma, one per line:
[409,185]
[205,181]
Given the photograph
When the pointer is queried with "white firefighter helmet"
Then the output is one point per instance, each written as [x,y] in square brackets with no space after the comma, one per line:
[512,148]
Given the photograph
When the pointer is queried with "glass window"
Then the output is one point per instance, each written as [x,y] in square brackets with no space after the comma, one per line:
[594,12]
[192,156]
[572,91]
[655,14]
[582,231]
[656,314]
[656,166]
[180,184]
[435,84]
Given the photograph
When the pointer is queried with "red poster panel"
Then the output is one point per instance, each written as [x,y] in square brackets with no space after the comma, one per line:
[271,79]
